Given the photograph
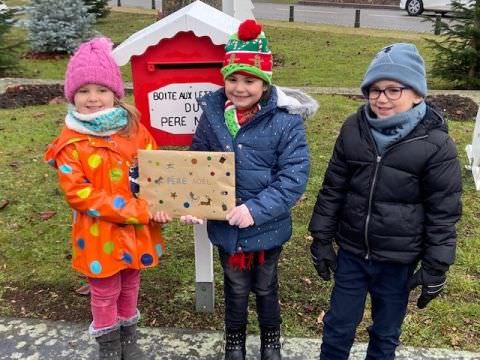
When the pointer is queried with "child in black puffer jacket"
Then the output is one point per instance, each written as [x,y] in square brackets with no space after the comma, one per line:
[390,199]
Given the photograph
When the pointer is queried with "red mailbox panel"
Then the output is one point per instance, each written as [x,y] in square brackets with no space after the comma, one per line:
[168,77]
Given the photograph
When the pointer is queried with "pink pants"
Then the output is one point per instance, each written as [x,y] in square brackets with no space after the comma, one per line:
[114,298]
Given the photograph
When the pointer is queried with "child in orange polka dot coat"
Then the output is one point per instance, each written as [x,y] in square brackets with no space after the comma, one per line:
[114,235]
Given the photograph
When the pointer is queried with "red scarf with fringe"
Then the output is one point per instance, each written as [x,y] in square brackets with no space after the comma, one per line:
[245,260]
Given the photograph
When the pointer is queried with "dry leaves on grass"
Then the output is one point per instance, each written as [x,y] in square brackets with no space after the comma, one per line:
[45,215]
[320,317]
[83,290]
[4,203]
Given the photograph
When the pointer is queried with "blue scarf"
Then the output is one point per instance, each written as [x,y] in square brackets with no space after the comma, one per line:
[102,123]
[389,130]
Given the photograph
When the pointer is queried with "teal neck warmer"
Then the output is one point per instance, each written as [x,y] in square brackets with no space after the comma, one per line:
[102,123]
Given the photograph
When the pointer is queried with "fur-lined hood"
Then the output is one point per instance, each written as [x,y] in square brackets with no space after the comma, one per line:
[296,102]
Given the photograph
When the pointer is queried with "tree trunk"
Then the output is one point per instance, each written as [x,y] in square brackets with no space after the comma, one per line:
[170,6]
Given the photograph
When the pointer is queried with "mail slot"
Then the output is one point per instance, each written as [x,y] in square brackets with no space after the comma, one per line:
[151,67]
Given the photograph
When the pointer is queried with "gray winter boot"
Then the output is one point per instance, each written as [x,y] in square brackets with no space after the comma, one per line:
[109,346]
[130,348]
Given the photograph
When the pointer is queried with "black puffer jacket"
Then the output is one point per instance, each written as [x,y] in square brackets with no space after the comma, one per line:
[399,207]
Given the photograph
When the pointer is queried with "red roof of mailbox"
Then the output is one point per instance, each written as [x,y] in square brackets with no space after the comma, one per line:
[198,17]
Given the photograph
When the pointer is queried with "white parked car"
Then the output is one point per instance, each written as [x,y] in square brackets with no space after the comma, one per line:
[416,7]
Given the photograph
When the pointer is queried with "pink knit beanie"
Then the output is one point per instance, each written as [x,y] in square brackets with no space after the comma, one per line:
[93,63]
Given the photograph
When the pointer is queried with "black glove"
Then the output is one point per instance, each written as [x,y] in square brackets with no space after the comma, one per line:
[432,283]
[324,258]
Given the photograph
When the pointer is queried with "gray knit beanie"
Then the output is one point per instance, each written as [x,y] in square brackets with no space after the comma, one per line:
[398,62]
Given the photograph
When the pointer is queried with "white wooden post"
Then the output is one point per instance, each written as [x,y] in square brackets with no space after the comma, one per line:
[204,284]
[473,153]
[239,9]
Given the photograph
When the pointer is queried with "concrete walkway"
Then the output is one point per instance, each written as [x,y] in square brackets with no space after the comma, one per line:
[29,339]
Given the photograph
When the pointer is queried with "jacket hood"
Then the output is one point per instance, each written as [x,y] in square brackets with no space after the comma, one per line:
[434,118]
[293,101]
[296,102]
[66,137]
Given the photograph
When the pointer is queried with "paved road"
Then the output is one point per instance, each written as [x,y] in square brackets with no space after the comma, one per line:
[393,19]
[147,4]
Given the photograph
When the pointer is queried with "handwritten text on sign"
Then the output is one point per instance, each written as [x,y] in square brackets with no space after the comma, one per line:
[174,108]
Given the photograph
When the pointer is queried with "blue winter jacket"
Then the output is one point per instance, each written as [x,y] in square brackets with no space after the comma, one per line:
[271,163]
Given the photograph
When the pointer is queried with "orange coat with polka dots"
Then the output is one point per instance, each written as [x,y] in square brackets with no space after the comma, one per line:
[111,229]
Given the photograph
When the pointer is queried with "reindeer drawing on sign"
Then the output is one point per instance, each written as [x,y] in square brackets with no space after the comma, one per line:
[206,203]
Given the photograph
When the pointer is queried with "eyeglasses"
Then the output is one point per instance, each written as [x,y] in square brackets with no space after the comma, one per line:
[392,93]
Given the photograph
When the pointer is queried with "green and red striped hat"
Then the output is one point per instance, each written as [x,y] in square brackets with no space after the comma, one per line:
[247,51]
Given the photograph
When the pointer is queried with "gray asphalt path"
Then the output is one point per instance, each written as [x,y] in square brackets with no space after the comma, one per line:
[29,339]
[390,19]
[146,4]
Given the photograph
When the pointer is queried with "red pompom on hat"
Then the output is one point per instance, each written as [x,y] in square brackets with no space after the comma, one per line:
[249,30]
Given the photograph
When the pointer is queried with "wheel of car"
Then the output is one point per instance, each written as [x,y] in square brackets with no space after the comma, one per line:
[414,7]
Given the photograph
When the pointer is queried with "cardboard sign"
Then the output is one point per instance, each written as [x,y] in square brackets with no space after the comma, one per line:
[195,183]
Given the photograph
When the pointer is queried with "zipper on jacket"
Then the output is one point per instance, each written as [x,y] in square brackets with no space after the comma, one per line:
[370,196]
[369,212]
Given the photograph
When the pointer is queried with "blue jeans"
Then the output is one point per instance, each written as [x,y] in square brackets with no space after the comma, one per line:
[261,280]
[387,285]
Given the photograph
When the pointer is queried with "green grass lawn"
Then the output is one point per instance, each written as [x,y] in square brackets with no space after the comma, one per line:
[36,279]
[34,253]
[310,55]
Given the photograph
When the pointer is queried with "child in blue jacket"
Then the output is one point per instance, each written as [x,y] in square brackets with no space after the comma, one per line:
[264,127]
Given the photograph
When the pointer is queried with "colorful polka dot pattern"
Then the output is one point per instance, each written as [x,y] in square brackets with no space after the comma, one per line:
[94,161]
[132,221]
[75,154]
[146,259]
[95,267]
[94,230]
[65,169]
[84,193]
[98,246]
[159,250]
[93,213]
[119,202]
[108,247]
[116,174]
[81,243]
[127,258]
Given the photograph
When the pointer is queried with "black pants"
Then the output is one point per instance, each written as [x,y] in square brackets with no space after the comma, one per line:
[261,280]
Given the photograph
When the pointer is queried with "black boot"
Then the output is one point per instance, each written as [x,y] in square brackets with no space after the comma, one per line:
[235,344]
[109,346]
[270,343]
[130,348]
